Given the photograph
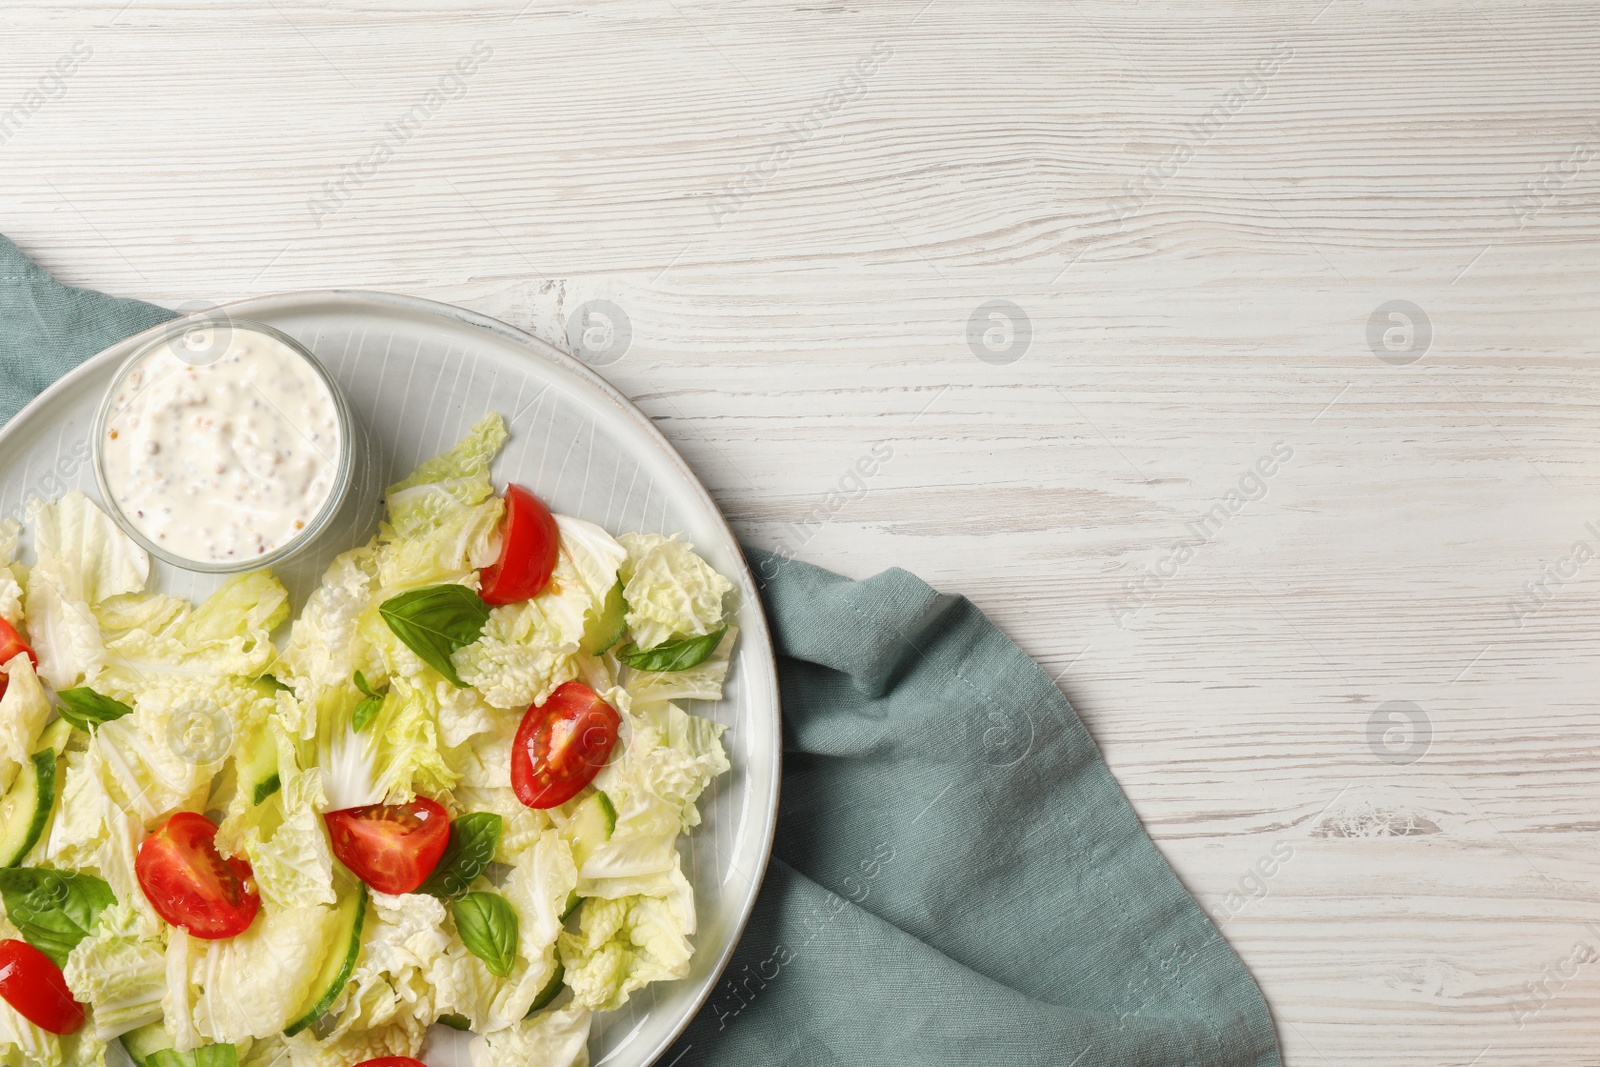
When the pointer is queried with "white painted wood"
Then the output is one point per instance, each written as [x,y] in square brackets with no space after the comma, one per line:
[1441,152]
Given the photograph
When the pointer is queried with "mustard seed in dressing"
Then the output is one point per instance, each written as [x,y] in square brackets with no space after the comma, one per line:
[227,458]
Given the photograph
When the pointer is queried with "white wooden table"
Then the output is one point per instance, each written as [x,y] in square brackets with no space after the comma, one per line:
[1200,217]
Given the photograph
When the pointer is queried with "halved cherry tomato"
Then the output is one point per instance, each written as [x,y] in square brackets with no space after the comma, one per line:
[31,982]
[391,847]
[12,645]
[190,884]
[529,545]
[561,745]
[392,1061]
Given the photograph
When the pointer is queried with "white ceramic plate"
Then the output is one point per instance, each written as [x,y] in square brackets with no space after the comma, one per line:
[417,375]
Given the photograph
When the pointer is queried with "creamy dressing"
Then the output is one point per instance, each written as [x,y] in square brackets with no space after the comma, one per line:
[222,445]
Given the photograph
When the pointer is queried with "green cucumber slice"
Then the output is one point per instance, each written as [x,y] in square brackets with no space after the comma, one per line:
[143,1043]
[151,1046]
[601,632]
[341,961]
[257,764]
[593,822]
[551,990]
[56,736]
[26,808]
[205,1056]
[591,826]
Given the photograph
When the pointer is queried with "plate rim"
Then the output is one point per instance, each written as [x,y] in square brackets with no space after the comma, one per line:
[536,348]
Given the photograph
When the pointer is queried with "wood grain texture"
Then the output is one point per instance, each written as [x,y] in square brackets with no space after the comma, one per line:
[1198,207]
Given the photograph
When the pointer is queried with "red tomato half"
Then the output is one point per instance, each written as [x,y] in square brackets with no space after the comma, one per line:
[562,745]
[31,982]
[392,1061]
[391,847]
[12,644]
[190,884]
[529,545]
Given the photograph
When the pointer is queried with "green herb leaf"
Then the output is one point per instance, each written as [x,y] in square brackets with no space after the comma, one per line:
[487,924]
[369,707]
[53,909]
[365,712]
[86,709]
[437,621]
[266,788]
[273,682]
[473,840]
[674,655]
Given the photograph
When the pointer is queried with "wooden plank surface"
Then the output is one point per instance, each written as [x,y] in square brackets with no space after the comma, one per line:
[1204,212]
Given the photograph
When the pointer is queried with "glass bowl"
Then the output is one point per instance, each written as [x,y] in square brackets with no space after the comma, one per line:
[188,340]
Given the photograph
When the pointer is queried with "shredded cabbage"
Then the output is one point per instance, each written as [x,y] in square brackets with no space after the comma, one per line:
[84,559]
[23,712]
[670,590]
[201,710]
[12,574]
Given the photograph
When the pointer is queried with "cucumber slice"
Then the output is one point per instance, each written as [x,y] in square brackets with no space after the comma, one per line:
[151,1046]
[551,990]
[56,736]
[216,1056]
[591,826]
[26,808]
[257,764]
[341,961]
[145,1042]
[204,1056]
[601,632]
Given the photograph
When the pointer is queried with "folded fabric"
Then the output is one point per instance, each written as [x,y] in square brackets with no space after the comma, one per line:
[957,878]
[47,328]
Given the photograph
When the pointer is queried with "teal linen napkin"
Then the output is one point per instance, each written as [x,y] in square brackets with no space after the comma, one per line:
[957,878]
[47,328]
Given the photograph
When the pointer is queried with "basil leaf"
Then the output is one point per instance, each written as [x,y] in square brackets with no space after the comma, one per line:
[266,789]
[86,709]
[674,655]
[436,621]
[369,707]
[487,924]
[473,840]
[365,712]
[53,909]
[273,682]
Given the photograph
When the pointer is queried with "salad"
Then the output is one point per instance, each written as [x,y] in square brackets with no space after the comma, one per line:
[450,791]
